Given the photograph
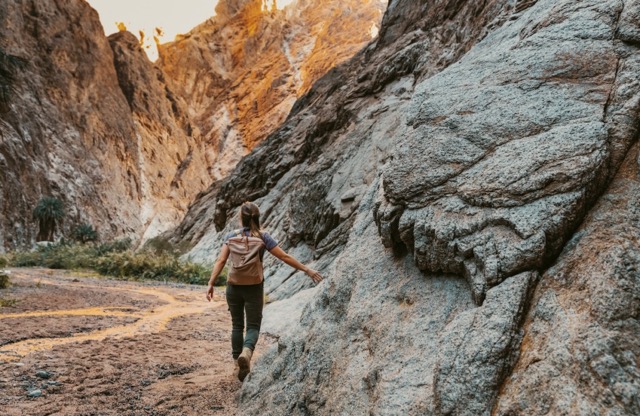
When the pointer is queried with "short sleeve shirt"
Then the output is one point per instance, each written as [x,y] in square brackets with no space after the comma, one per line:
[269,242]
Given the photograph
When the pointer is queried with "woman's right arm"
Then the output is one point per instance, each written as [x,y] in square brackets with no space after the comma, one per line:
[217,268]
[293,262]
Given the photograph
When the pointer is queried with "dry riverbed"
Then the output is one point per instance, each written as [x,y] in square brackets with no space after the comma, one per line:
[81,345]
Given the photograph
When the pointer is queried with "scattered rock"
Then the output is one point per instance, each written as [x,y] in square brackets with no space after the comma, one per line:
[43,374]
[35,393]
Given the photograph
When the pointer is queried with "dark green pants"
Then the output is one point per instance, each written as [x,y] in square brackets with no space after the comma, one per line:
[245,301]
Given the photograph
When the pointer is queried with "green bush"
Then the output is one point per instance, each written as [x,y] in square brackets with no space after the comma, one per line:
[161,245]
[85,233]
[115,259]
[3,261]
[116,246]
[26,259]
[148,265]
[4,280]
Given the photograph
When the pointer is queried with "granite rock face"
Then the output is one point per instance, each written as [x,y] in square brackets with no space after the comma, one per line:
[433,178]
[503,151]
[580,352]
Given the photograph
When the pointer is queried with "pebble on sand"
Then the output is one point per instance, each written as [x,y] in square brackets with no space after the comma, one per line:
[43,374]
[35,393]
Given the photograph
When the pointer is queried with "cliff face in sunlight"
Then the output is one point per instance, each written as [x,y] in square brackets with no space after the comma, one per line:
[469,186]
[126,144]
[240,72]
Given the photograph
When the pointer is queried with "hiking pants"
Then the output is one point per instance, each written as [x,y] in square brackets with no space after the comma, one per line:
[245,300]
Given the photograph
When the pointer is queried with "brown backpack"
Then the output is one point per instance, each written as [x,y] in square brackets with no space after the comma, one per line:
[245,253]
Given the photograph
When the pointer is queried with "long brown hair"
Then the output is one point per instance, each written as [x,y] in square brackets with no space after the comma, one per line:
[250,217]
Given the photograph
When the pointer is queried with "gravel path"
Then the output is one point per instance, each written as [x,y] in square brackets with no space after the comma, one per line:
[74,345]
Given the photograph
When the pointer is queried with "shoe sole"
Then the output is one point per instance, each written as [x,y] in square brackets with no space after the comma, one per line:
[244,370]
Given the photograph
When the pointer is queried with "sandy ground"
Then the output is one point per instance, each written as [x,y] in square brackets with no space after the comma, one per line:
[94,346]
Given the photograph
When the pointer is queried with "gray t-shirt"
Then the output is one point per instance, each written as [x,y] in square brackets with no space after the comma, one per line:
[269,242]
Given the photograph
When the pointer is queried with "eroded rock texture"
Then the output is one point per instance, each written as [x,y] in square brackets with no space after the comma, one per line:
[504,151]
[172,165]
[126,144]
[66,130]
[470,140]
[240,72]
[580,353]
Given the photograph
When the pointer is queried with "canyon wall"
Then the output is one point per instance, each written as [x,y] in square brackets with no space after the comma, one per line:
[126,144]
[240,72]
[466,185]
[67,129]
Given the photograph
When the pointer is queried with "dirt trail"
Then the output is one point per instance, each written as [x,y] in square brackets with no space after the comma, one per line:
[99,347]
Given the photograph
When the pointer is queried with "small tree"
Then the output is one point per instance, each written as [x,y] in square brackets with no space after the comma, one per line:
[48,212]
[85,233]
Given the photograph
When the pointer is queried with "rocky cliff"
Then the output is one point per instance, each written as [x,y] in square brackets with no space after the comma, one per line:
[240,72]
[467,186]
[127,145]
[91,122]
[66,130]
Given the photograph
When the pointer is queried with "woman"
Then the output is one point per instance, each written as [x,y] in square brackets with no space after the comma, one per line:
[245,285]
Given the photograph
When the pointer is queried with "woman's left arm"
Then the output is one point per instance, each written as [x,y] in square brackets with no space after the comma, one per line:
[293,262]
[217,268]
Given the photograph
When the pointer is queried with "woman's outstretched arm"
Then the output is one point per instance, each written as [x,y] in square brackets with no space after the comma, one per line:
[217,268]
[293,262]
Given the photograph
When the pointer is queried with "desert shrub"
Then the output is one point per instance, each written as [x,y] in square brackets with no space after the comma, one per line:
[85,233]
[7,303]
[148,265]
[25,259]
[161,245]
[115,259]
[115,246]
[4,280]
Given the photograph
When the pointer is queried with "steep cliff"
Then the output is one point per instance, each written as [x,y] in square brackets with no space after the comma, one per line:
[67,129]
[171,161]
[91,122]
[127,145]
[240,72]
[434,179]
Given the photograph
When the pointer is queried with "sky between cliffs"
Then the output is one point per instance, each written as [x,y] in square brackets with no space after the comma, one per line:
[173,17]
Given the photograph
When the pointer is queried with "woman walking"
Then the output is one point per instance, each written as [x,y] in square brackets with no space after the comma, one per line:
[245,282]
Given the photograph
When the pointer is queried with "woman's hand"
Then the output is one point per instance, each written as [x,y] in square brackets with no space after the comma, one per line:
[314,275]
[210,293]
[293,262]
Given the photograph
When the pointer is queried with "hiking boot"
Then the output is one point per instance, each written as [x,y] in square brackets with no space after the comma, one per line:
[244,363]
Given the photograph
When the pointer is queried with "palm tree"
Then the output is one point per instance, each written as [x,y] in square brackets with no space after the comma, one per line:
[9,64]
[48,211]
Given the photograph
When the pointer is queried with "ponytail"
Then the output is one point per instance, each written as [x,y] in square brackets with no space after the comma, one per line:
[250,217]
